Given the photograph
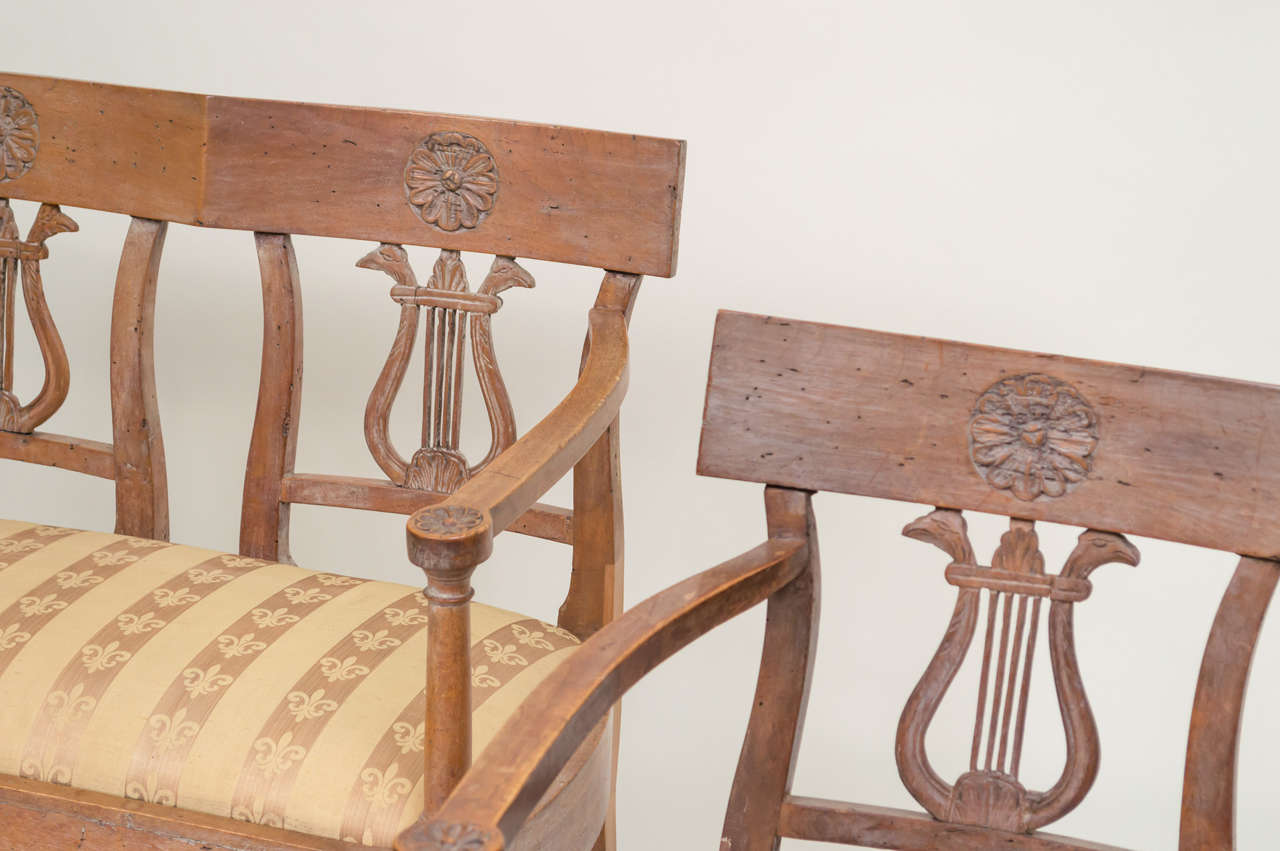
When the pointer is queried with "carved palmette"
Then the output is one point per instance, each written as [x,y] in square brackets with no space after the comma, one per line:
[990,794]
[25,255]
[449,307]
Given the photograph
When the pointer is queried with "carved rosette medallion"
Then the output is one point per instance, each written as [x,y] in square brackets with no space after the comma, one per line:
[451,180]
[457,837]
[1033,435]
[448,521]
[19,134]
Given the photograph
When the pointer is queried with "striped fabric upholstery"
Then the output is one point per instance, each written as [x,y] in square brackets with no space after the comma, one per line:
[230,685]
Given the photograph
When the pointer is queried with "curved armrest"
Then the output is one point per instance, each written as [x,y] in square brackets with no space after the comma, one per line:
[497,495]
[502,788]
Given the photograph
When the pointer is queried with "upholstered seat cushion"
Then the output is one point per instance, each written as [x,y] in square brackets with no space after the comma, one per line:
[230,685]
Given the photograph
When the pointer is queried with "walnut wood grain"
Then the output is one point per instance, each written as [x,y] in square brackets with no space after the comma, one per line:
[394,260]
[594,597]
[1182,457]
[490,501]
[540,520]
[58,450]
[1213,741]
[504,274]
[991,796]
[532,747]
[570,815]
[49,221]
[264,515]
[137,151]
[142,497]
[595,586]
[609,200]
[509,485]
[771,746]
[887,827]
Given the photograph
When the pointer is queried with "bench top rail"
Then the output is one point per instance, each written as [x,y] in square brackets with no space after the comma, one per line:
[586,197]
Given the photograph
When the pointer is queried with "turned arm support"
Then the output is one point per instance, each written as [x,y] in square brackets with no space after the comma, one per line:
[501,790]
[450,539]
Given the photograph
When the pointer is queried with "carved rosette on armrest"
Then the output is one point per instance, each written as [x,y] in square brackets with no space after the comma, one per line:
[448,542]
[990,794]
[27,254]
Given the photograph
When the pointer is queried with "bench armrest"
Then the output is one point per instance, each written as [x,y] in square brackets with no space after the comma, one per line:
[514,481]
[501,789]
[449,539]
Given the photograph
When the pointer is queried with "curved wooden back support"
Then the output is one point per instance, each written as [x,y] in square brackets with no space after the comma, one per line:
[588,197]
[1186,458]
[1116,449]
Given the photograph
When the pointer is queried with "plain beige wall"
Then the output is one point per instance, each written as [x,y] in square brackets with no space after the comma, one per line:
[1097,179]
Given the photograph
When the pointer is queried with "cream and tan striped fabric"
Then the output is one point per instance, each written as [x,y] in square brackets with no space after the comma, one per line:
[230,685]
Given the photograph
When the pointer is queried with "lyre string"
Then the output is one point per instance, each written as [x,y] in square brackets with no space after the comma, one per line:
[1000,671]
[446,373]
[1014,652]
[982,682]
[427,389]
[1026,684]
[437,421]
[455,416]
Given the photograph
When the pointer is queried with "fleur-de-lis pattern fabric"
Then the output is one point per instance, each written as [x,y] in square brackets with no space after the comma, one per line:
[230,685]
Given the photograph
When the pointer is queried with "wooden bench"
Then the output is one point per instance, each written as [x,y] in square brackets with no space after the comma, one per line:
[805,407]
[155,695]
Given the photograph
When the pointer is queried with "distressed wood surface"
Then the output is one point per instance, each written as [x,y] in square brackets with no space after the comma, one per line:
[273,446]
[115,148]
[36,816]
[1213,742]
[499,792]
[991,794]
[595,584]
[593,198]
[508,486]
[450,539]
[887,827]
[142,496]
[540,520]
[59,450]
[771,746]
[1182,457]
[570,816]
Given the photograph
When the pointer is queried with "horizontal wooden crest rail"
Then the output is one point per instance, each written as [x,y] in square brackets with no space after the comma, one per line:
[592,198]
[1186,458]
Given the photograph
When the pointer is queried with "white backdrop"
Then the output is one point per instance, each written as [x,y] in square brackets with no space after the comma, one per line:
[1095,179]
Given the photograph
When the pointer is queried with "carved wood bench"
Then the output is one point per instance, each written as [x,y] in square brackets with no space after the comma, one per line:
[805,407]
[156,695]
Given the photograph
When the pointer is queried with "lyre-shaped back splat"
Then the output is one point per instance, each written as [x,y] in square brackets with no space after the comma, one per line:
[439,465]
[991,795]
[15,253]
